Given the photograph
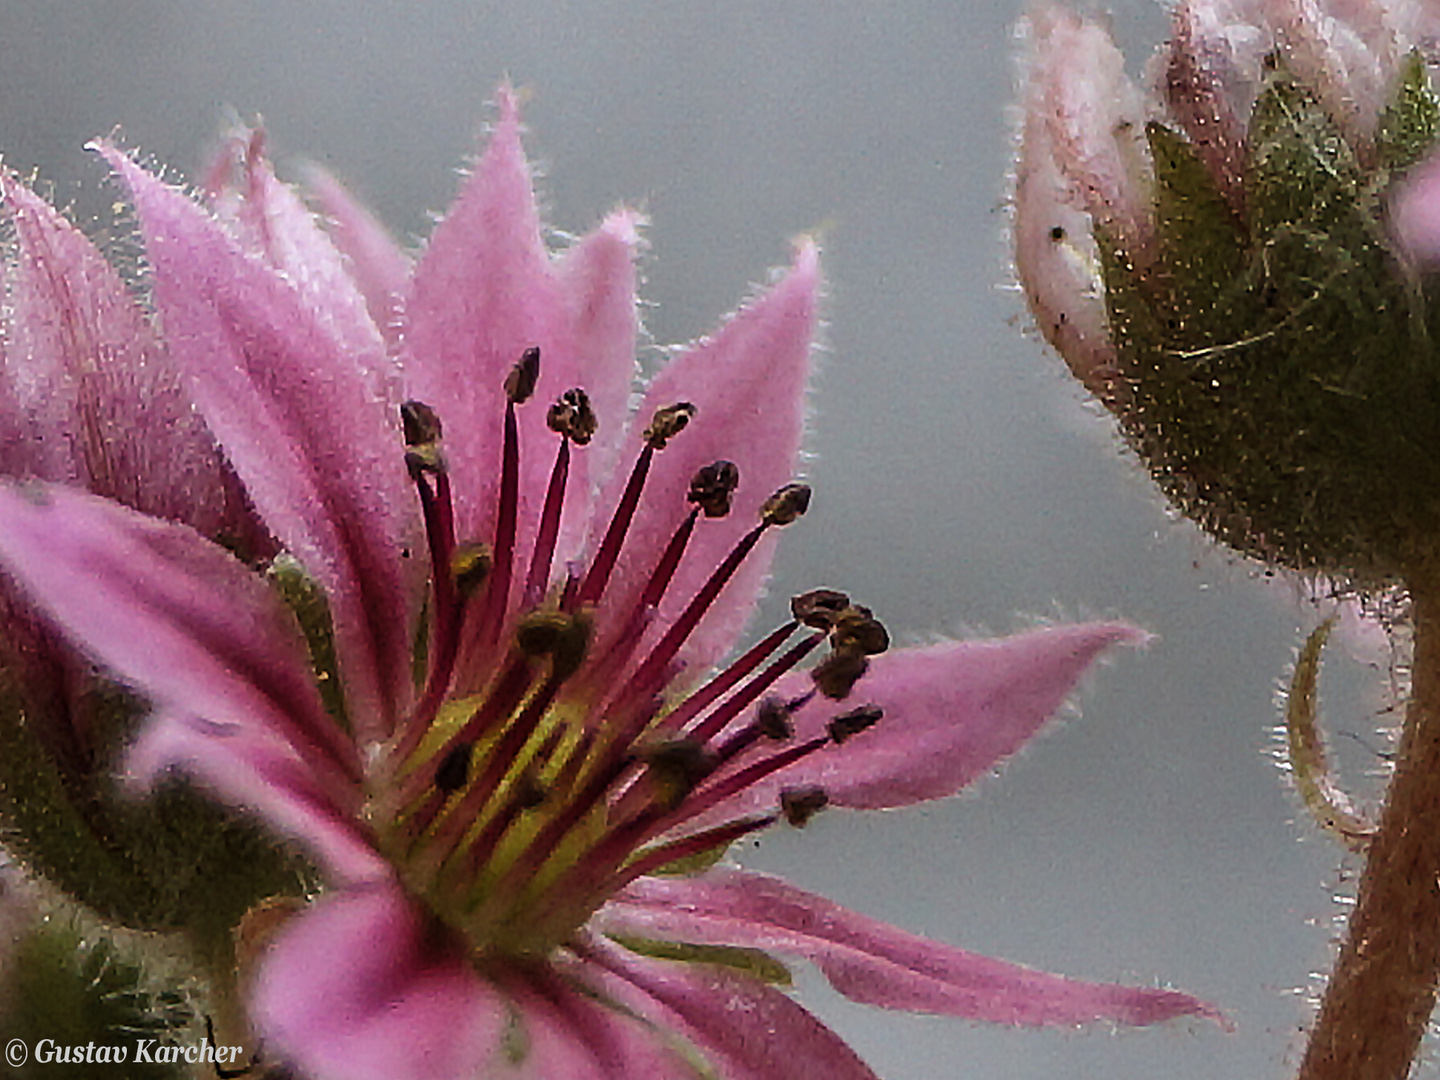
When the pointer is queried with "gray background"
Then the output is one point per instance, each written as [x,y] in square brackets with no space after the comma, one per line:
[962,485]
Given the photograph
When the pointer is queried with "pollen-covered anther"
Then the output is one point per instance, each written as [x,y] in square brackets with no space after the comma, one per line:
[559,635]
[470,566]
[799,805]
[787,504]
[453,772]
[675,767]
[837,674]
[818,608]
[849,724]
[772,719]
[530,792]
[856,627]
[419,423]
[668,421]
[572,416]
[520,382]
[711,488]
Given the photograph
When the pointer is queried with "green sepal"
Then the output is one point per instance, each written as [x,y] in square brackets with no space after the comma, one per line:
[303,595]
[690,865]
[1410,126]
[1302,172]
[1200,242]
[171,861]
[74,991]
[756,963]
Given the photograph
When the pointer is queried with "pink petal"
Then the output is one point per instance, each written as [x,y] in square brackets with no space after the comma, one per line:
[1057,261]
[484,291]
[597,279]
[268,220]
[364,987]
[1096,118]
[95,396]
[748,384]
[873,963]
[320,455]
[250,770]
[746,1029]
[952,712]
[173,615]
[1415,213]
[379,268]
[563,1031]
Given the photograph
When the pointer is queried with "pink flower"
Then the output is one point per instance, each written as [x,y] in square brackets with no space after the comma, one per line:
[520,821]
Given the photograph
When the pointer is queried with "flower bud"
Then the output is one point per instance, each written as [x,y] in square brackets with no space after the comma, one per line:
[1266,341]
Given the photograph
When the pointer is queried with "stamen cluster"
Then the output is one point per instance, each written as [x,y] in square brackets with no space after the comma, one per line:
[517,810]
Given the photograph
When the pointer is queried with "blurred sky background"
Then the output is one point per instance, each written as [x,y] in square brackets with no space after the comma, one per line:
[962,485]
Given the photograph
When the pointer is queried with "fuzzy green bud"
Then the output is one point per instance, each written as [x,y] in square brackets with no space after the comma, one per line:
[1270,350]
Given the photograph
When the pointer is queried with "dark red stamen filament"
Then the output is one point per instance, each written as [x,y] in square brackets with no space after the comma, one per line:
[539,577]
[604,562]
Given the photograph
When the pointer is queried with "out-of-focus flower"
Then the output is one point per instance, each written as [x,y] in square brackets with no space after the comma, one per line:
[492,726]
[1220,264]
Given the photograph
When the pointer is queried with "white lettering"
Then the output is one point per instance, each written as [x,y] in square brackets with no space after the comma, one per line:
[45,1051]
[142,1050]
[169,1053]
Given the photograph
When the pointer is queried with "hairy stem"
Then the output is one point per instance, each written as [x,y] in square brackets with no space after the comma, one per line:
[1382,992]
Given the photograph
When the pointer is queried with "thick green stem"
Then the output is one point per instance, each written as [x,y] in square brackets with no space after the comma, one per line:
[1382,992]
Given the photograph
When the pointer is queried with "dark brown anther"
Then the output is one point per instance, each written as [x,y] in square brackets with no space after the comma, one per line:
[712,486]
[668,422]
[423,459]
[799,805]
[676,766]
[818,607]
[787,504]
[772,719]
[836,675]
[420,423]
[453,772]
[857,628]
[573,417]
[520,383]
[849,724]
[529,791]
[470,567]
[557,634]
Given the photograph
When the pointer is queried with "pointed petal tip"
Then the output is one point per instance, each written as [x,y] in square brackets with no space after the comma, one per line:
[623,225]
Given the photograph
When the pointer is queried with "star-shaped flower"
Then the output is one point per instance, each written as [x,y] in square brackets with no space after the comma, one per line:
[509,737]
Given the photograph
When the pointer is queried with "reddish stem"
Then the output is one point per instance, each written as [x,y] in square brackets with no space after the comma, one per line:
[1379,1000]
